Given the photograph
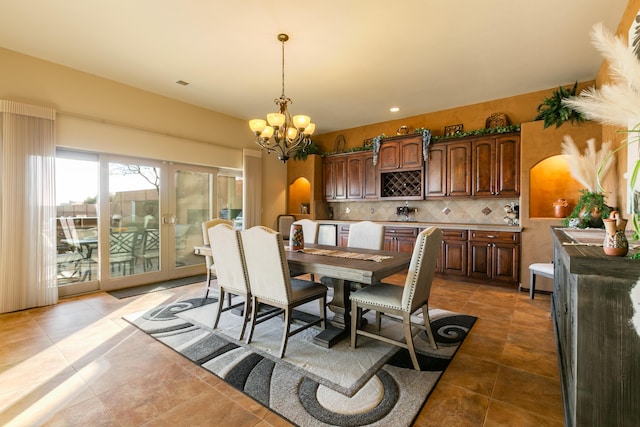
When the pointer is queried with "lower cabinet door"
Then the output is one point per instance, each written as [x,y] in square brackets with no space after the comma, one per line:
[480,255]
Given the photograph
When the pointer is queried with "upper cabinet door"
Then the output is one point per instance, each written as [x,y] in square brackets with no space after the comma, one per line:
[436,173]
[508,166]
[388,156]
[355,169]
[459,169]
[483,169]
[411,154]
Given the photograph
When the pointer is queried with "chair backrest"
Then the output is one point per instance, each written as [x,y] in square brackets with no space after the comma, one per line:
[267,265]
[309,230]
[422,268]
[67,232]
[151,240]
[122,242]
[206,225]
[284,225]
[71,226]
[366,235]
[226,246]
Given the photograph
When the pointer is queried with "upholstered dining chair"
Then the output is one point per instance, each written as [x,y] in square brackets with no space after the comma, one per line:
[211,268]
[272,285]
[309,230]
[310,233]
[366,235]
[231,271]
[284,225]
[394,300]
[362,235]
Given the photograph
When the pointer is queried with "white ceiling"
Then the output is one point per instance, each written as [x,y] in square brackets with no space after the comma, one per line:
[347,61]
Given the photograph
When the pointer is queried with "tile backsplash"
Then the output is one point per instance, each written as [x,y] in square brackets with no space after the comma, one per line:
[466,211]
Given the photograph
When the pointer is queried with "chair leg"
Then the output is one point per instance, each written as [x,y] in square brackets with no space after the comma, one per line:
[245,315]
[208,283]
[427,325]
[406,321]
[532,284]
[355,320]
[285,335]
[254,315]
[220,307]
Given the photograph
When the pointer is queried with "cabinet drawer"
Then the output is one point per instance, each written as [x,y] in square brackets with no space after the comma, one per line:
[494,236]
[454,235]
[401,231]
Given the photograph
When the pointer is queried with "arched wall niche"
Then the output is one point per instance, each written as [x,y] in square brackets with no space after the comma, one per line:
[300,196]
[550,180]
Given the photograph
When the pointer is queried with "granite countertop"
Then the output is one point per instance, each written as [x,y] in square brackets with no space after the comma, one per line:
[445,225]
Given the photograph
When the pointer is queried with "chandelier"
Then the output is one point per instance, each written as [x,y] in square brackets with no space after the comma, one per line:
[281,133]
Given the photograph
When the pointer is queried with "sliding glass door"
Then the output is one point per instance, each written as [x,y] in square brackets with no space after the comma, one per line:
[125,222]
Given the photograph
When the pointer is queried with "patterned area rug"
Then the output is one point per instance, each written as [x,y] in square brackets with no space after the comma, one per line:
[374,384]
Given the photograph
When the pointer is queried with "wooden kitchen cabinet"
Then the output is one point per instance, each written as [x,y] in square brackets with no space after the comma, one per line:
[449,170]
[401,168]
[486,166]
[404,153]
[496,166]
[355,170]
[335,178]
[400,239]
[494,256]
[343,235]
[436,173]
[453,253]
[351,176]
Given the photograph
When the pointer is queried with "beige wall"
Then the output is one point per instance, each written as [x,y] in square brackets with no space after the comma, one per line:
[518,108]
[101,115]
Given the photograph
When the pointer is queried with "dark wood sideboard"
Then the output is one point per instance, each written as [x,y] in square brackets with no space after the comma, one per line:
[598,348]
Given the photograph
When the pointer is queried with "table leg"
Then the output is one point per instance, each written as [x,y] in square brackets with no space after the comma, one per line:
[338,327]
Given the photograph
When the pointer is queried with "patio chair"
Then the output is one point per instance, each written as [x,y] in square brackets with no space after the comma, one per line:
[121,245]
[150,247]
[391,300]
[271,285]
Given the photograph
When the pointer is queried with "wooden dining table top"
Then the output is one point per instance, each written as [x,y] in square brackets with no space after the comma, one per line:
[350,269]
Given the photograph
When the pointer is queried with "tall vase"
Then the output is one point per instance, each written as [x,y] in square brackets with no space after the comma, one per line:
[296,238]
[615,240]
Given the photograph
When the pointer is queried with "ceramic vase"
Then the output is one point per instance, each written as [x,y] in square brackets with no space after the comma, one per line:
[296,238]
[560,208]
[615,241]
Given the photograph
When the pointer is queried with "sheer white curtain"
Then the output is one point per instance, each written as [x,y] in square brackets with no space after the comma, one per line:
[27,207]
[252,197]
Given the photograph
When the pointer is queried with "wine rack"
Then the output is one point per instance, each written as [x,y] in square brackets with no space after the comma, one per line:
[402,184]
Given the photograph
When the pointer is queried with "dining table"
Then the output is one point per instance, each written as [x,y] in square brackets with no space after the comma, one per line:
[344,266]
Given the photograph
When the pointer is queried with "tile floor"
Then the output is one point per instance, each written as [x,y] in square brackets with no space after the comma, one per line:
[78,363]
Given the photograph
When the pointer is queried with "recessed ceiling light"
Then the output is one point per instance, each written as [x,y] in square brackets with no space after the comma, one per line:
[182,83]
[394,109]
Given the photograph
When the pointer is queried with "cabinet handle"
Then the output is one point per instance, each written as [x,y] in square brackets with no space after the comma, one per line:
[491,236]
